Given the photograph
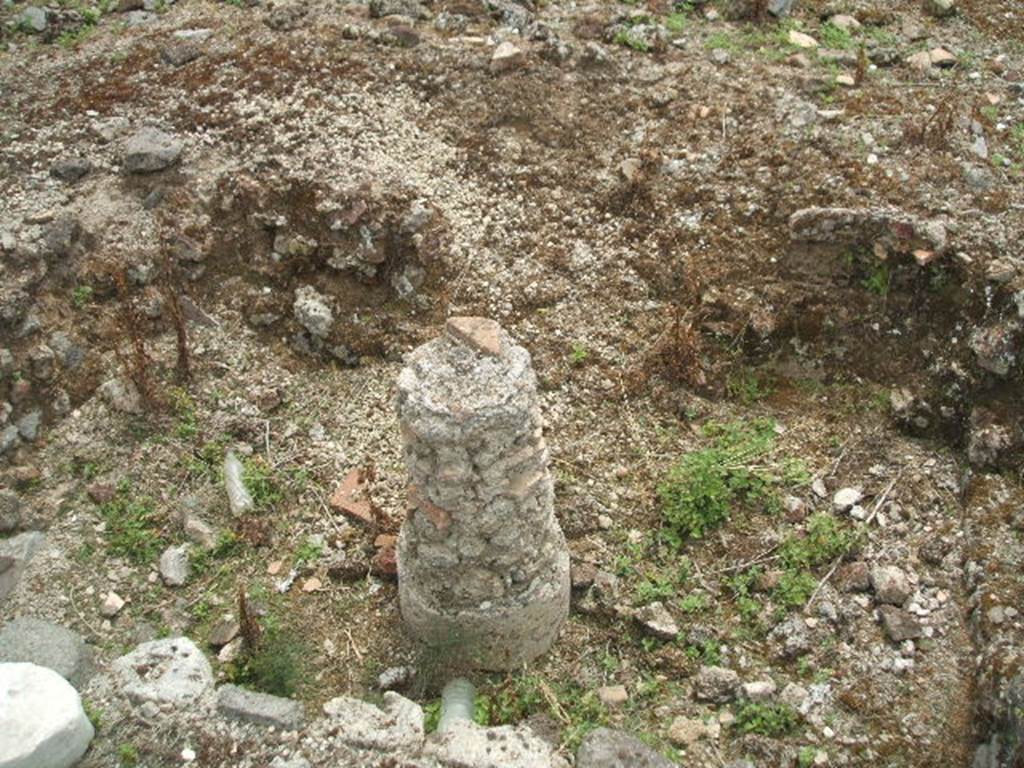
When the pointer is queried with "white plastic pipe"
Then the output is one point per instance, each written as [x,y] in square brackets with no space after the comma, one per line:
[457,702]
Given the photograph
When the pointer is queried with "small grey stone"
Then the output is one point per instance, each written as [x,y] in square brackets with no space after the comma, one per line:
[28,425]
[15,554]
[10,511]
[35,641]
[657,621]
[395,678]
[121,396]
[312,311]
[61,235]
[286,18]
[898,624]
[71,169]
[9,439]
[150,150]
[891,584]
[411,8]
[716,684]
[846,498]
[174,566]
[779,8]
[34,19]
[608,748]
[224,631]
[180,54]
[793,636]
[260,708]
[940,9]
[720,56]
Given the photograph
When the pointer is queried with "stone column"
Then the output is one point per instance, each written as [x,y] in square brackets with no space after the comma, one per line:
[483,567]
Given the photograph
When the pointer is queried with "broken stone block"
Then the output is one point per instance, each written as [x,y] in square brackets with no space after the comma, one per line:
[884,229]
[260,708]
[481,558]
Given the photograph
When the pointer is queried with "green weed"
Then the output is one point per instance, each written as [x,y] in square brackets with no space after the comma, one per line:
[771,720]
[701,489]
[133,527]
[81,296]
[879,280]
[836,37]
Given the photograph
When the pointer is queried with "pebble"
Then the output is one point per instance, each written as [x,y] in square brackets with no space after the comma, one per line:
[112,605]
[845,498]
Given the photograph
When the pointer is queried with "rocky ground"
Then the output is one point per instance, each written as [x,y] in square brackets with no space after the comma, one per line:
[766,257]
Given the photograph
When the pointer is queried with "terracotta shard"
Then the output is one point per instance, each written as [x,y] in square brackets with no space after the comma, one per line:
[352,498]
[438,516]
[479,333]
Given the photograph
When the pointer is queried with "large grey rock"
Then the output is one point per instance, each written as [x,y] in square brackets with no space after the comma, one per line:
[150,150]
[42,723]
[169,671]
[10,511]
[260,708]
[396,727]
[41,642]
[608,748]
[467,744]
[15,554]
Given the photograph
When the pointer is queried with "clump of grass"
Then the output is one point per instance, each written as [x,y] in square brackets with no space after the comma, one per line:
[765,719]
[824,540]
[260,480]
[747,386]
[133,527]
[879,280]
[702,488]
[631,40]
[836,37]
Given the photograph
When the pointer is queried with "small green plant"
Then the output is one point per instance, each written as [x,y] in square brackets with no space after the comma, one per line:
[259,479]
[81,296]
[746,386]
[805,757]
[276,664]
[308,552]
[879,280]
[133,527]
[708,652]
[184,407]
[94,713]
[675,22]
[700,490]
[836,37]
[771,720]
[695,602]
[128,755]
[825,540]
[579,354]
[631,40]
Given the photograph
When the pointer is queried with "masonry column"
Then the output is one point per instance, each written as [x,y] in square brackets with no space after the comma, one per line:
[482,564]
